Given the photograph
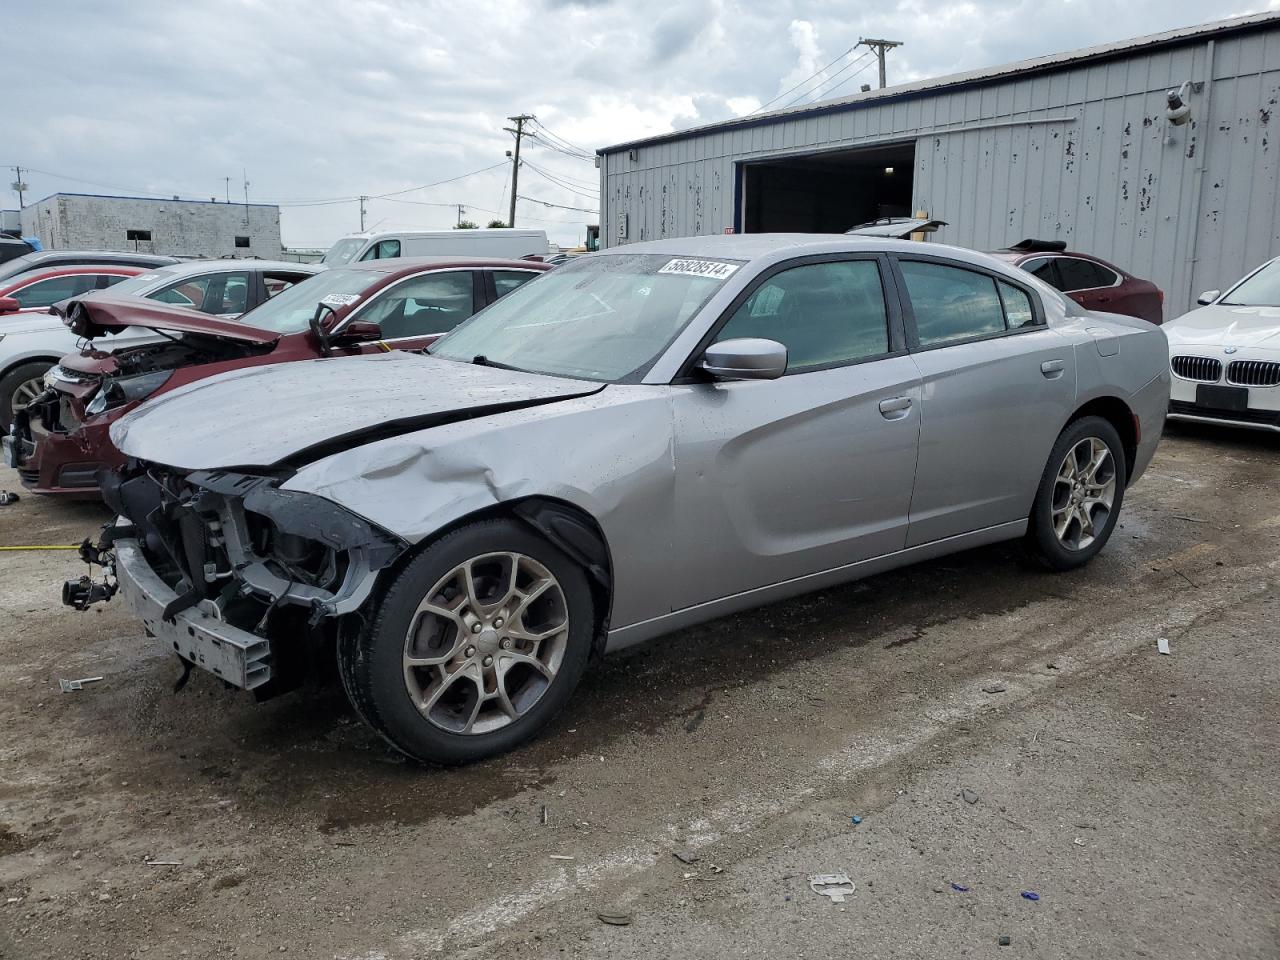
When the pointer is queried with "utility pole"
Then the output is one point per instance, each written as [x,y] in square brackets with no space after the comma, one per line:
[515,161]
[228,183]
[245,174]
[19,186]
[879,48]
[461,211]
[362,203]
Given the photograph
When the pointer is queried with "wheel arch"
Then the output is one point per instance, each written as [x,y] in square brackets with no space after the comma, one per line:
[1121,416]
[14,364]
[569,527]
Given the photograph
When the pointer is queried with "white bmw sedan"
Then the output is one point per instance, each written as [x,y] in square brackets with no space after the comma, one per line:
[1225,355]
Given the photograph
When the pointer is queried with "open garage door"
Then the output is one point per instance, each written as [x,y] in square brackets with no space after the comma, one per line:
[827,192]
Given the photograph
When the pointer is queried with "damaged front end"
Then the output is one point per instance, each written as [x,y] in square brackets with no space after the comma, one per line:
[236,575]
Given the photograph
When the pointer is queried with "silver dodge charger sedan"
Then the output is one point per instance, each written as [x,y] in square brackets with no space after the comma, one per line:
[642,439]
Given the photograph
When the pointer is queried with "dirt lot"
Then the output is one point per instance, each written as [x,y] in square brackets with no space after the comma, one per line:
[995,727]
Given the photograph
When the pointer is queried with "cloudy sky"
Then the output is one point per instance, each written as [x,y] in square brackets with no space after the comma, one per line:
[320,101]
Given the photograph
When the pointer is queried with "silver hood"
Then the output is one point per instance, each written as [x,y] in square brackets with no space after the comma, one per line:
[293,413]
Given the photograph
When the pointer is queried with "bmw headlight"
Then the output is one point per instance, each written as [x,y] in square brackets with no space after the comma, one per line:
[121,390]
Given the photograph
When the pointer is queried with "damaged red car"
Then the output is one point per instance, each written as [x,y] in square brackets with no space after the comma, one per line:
[60,441]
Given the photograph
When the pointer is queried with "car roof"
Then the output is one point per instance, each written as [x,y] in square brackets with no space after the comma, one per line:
[192,268]
[399,266]
[73,270]
[1009,255]
[102,256]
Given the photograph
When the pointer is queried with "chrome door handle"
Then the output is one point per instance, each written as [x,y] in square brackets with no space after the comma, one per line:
[895,408]
[1052,369]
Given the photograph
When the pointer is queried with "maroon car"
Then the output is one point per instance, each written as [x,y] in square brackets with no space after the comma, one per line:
[1089,281]
[60,441]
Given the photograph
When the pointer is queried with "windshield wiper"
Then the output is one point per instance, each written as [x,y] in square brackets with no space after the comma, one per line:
[480,360]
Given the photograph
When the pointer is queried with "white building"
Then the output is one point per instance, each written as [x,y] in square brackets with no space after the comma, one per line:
[188,228]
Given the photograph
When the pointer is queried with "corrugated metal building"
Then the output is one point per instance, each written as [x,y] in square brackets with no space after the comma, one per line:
[191,228]
[1074,147]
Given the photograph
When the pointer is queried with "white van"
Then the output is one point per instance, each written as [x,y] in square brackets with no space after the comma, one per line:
[506,242]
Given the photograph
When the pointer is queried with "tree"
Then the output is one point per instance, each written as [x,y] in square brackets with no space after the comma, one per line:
[466,225]
[495,223]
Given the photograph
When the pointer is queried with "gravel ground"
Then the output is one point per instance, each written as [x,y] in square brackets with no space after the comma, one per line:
[994,727]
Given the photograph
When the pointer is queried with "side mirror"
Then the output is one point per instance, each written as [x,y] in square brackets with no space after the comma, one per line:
[9,305]
[317,327]
[357,331]
[1204,299]
[747,358]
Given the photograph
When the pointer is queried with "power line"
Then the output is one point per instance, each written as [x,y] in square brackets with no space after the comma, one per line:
[866,59]
[548,203]
[559,149]
[820,71]
[572,181]
[562,185]
[852,76]
[556,137]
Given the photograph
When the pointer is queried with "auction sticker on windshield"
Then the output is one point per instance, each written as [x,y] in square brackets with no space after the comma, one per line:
[700,268]
[339,299]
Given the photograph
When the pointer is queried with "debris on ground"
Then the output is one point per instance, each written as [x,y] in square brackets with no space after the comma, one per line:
[614,919]
[855,819]
[968,795]
[544,814]
[837,886]
[1189,519]
[7,498]
[994,688]
[560,856]
[69,685]
[685,856]
[959,888]
[163,863]
[1030,895]
[1162,646]
[1004,941]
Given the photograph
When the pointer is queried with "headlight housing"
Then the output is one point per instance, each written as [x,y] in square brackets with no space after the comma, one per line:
[118,391]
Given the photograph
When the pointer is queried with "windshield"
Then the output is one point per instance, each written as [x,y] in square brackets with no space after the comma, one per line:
[604,317]
[344,250]
[1260,290]
[291,310]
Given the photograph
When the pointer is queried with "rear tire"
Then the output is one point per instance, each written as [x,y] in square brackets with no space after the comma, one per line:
[1080,494]
[477,644]
[16,388]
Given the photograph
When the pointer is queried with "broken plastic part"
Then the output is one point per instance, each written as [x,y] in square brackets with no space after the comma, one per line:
[837,886]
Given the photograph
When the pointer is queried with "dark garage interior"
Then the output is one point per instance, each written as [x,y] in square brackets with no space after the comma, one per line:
[827,192]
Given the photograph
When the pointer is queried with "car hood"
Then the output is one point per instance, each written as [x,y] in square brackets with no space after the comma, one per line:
[289,414]
[105,313]
[1221,325]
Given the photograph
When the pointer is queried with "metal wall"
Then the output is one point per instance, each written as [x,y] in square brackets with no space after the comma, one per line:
[1082,154]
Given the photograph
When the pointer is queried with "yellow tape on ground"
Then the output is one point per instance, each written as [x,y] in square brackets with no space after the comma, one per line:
[54,547]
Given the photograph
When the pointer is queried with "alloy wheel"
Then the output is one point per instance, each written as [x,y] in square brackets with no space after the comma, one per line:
[27,391]
[1084,492]
[485,643]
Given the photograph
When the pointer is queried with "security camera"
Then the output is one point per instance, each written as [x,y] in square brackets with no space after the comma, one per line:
[1178,111]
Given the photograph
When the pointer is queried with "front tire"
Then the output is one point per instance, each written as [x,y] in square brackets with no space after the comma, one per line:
[19,387]
[1080,494]
[475,646]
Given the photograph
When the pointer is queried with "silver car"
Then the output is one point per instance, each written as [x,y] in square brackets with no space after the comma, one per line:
[634,442]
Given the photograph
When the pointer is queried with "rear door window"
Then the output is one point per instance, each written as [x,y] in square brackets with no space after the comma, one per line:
[1077,274]
[45,293]
[422,306]
[1046,269]
[215,294]
[950,303]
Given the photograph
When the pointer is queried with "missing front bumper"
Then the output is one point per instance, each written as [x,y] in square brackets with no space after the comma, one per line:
[237,656]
